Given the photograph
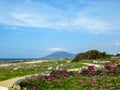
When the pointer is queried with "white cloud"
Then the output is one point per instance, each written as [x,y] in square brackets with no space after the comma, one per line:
[35,21]
[93,18]
[90,24]
[54,22]
[117,44]
[56,49]
[99,17]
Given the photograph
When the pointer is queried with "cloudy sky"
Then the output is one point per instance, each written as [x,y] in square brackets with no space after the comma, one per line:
[34,28]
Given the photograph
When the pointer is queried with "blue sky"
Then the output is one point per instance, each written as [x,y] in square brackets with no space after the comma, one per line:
[35,28]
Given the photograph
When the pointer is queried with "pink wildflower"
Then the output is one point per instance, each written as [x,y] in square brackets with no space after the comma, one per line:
[113,66]
[81,81]
[94,79]
[110,88]
[49,78]
[34,88]
[92,89]
[110,65]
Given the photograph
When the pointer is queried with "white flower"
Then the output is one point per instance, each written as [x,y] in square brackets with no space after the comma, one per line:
[80,69]
[48,74]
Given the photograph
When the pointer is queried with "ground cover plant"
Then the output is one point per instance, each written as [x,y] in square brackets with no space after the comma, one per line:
[105,77]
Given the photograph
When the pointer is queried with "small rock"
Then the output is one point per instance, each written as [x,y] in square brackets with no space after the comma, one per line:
[15,68]
[57,68]
[10,88]
[16,87]
[3,88]
[17,82]
[94,61]
[24,89]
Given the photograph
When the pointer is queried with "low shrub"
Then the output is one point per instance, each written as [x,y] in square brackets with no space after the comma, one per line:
[106,77]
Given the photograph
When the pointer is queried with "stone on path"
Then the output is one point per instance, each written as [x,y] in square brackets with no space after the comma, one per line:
[3,88]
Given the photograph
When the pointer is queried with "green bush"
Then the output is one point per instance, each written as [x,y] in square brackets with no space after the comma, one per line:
[90,55]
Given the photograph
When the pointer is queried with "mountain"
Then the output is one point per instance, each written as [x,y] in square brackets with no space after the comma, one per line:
[59,55]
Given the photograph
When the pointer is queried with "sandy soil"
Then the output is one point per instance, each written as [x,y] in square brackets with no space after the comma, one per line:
[89,64]
[10,82]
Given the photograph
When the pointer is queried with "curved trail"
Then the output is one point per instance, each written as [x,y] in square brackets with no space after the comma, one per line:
[89,64]
[10,82]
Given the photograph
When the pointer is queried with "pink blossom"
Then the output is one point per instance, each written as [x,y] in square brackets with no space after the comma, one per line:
[49,78]
[81,81]
[94,79]
[110,65]
[110,88]
[34,88]
[113,66]
[92,89]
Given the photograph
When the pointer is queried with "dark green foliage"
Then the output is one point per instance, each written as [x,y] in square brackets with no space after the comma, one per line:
[92,54]
[118,54]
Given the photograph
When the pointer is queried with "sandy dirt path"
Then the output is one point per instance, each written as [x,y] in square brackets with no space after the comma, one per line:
[89,64]
[10,82]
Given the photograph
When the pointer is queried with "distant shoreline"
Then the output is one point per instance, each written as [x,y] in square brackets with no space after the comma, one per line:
[23,62]
[9,61]
[17,59]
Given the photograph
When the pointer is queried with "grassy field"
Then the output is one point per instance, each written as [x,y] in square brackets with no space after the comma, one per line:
[21,69]
[60,79]
[88,78]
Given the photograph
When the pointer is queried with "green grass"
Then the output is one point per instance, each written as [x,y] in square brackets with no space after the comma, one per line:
[66,83]
[26,69]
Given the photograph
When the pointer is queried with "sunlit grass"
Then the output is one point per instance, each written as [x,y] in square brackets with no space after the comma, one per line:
[18,70]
